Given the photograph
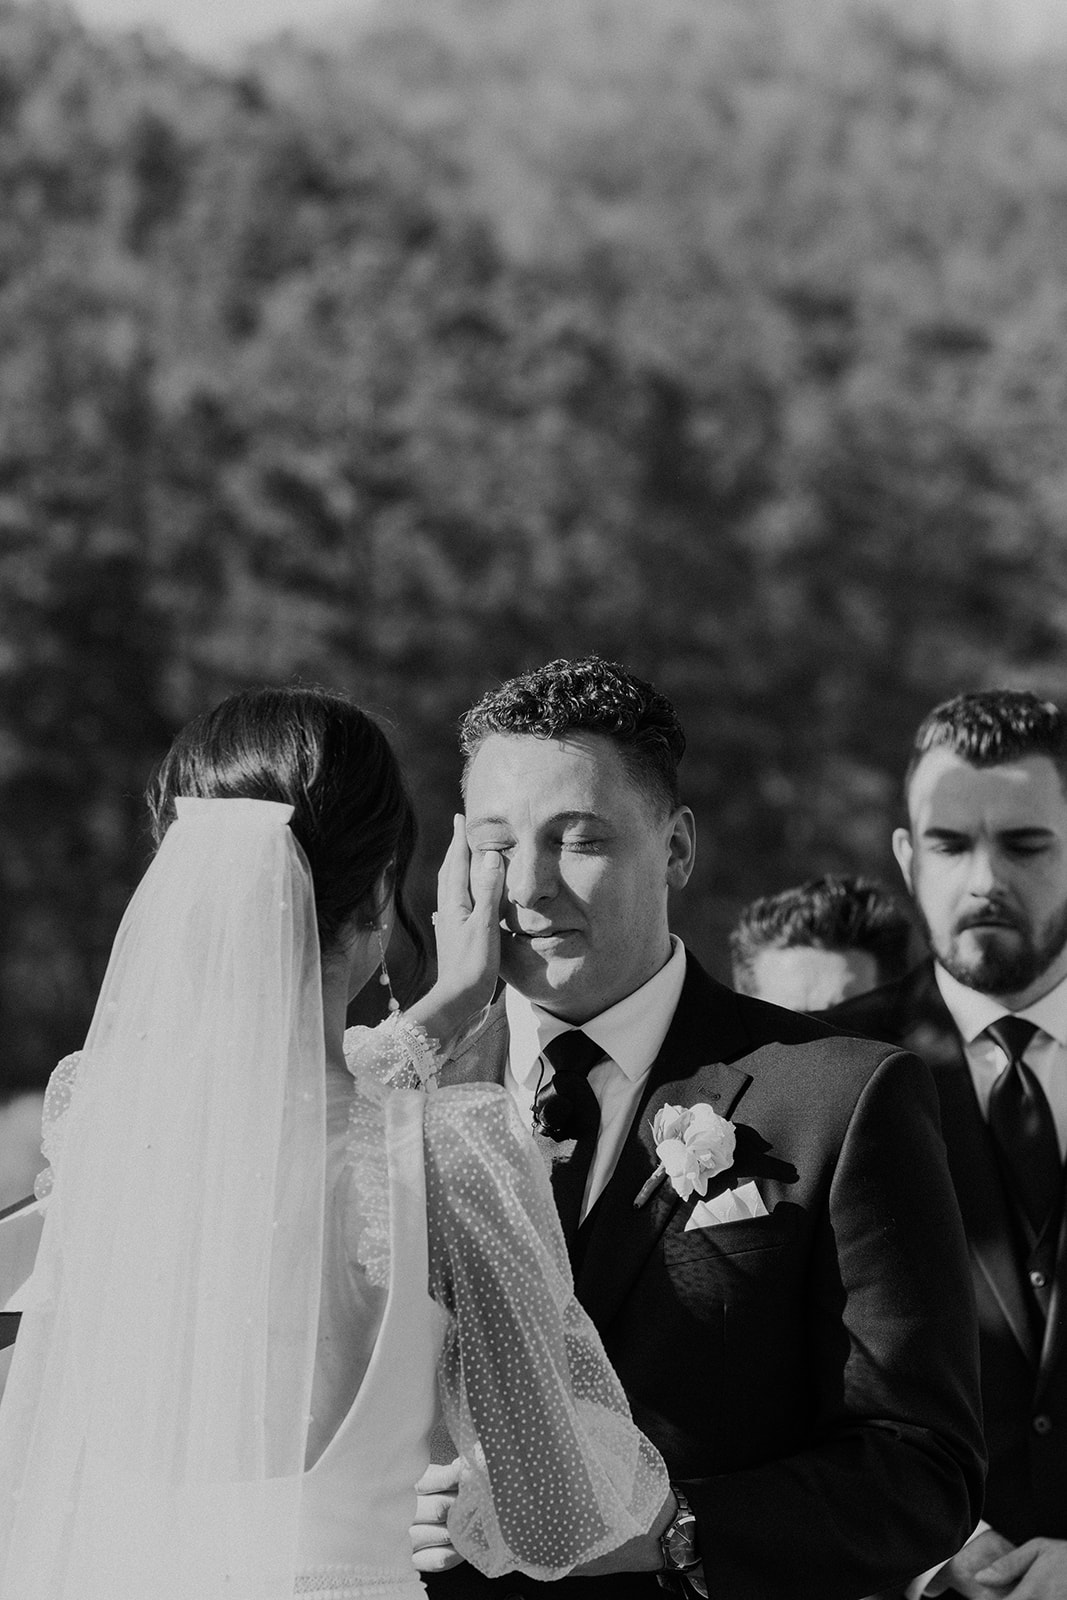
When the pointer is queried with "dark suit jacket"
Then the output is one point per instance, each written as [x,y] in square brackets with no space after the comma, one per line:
[1024,1365]
[809,1376]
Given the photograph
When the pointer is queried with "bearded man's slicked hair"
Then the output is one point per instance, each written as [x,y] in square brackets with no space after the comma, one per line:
[590,696]
[990,727]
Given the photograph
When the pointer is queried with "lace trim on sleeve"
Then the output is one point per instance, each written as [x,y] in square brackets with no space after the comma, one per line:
[366,1155]
[398,1053]
[58,1095]
[554,1471]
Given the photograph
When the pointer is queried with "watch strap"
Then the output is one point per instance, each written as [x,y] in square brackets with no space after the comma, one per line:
[678,1541]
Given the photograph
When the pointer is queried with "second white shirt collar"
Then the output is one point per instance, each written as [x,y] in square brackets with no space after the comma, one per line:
[972,1012]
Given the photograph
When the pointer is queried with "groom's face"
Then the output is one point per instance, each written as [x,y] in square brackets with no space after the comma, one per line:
[589,861]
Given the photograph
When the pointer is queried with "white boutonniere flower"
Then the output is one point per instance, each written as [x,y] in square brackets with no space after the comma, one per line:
[694,1144]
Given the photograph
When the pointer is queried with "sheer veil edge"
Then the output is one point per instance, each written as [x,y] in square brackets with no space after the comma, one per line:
[153,1429]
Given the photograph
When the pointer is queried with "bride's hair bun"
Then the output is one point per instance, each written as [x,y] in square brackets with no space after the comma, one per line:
[315,750]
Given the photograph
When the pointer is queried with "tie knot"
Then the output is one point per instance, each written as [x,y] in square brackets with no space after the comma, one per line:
[573,1054]
[1013,1034]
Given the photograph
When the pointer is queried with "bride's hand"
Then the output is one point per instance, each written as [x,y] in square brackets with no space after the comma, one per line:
[468,938]
[468,920]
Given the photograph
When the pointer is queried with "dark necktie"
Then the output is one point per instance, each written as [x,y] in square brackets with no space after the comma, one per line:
[568,1109]
[1021,1123]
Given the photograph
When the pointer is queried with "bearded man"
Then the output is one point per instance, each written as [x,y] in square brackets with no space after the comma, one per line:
[985,857]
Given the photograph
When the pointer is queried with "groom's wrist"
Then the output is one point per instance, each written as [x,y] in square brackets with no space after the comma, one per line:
[682,1570]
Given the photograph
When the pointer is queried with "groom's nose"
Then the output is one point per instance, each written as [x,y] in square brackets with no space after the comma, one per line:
[530,875]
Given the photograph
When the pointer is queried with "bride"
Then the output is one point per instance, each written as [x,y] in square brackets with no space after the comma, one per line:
[264,1239]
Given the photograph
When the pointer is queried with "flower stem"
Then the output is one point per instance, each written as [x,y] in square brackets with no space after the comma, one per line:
[648,1189]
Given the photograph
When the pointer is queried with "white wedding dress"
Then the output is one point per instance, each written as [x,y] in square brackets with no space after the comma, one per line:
[445,1192]
[373,1400]
[257,1274]
[446,1290]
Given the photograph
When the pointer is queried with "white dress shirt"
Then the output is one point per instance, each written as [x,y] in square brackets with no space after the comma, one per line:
[630,1035]
[1045,1055]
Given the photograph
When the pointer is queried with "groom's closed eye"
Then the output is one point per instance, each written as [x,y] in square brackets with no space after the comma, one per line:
[580,844]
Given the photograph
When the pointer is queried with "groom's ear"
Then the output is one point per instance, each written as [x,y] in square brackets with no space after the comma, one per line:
[682,848]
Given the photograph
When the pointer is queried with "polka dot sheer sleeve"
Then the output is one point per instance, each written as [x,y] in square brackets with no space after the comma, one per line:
[554,1471]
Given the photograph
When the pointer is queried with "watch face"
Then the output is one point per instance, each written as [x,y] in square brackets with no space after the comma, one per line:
[679,1542]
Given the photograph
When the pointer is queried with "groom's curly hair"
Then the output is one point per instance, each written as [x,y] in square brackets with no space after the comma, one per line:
[594,696]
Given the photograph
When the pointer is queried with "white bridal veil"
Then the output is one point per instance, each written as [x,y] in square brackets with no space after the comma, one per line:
[153,1430]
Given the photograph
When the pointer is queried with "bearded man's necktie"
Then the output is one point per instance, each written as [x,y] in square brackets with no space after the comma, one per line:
[567,1109]
[1021,1123]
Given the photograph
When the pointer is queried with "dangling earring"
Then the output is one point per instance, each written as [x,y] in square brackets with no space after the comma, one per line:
[383,979]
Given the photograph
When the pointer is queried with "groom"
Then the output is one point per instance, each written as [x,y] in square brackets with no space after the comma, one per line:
[800,1343]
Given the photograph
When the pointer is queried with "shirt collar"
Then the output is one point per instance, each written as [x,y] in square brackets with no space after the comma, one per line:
[972,1011]
[630,1032]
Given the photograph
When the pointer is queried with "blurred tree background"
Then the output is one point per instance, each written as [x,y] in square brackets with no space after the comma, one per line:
[684,332]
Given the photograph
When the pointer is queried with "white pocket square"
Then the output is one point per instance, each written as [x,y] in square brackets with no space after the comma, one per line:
[733,1205]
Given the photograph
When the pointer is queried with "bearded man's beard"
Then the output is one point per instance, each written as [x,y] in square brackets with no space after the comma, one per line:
[999,970]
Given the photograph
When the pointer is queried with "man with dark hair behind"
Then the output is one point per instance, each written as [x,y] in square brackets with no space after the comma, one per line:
[824,941]
[787,1305]
[985,857]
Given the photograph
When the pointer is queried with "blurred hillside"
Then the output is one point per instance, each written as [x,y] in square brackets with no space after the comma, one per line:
[517,328]
[220,33]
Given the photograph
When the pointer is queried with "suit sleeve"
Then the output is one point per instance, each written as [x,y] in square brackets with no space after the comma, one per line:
[891,1482]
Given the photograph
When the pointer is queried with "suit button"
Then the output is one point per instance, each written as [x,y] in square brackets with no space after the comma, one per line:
[1042,1423]
[1038,1280]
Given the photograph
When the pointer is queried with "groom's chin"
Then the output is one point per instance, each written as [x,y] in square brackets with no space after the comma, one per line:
[544,980]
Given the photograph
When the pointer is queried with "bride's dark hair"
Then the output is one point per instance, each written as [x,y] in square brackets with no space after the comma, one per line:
[318,752]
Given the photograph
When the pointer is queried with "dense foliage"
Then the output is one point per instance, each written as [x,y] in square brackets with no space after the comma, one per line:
[501,330]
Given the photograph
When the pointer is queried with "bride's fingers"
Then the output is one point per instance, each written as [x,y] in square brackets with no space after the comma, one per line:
[453,880]
[487,883]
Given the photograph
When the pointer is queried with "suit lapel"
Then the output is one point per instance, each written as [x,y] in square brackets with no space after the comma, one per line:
[932,1034]
[680,1075]
[483,1057]
[1056,1326]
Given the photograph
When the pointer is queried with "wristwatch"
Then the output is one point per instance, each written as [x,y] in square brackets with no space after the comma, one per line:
[682,1570]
